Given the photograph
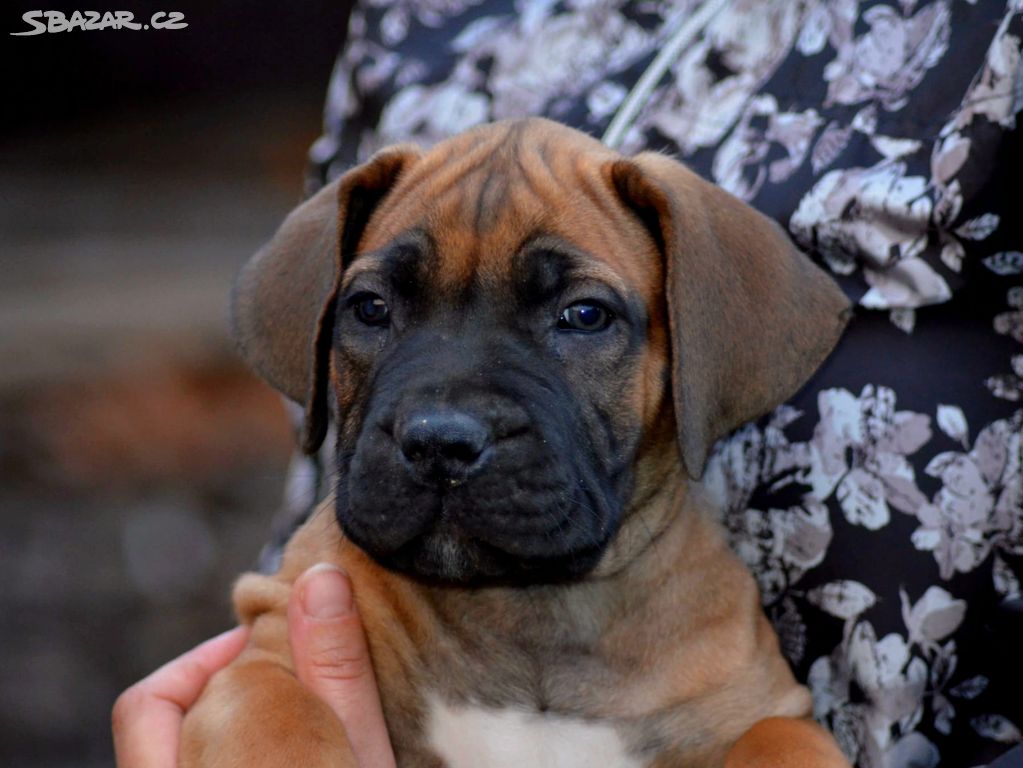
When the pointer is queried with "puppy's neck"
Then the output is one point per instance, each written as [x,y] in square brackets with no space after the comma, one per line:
[520,645]
[660,495]
[661,524]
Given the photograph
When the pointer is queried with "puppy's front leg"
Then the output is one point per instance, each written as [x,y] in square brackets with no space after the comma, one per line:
[255,713]
[785,742]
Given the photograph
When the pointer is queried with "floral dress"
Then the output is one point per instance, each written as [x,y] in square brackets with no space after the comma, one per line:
[881,509]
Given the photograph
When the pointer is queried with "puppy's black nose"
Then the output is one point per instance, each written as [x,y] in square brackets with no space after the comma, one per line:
[442,444]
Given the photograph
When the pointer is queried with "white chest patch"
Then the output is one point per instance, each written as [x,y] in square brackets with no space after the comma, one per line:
[479,737]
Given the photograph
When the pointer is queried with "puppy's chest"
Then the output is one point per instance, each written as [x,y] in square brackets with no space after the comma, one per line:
[512,709]
[471,736]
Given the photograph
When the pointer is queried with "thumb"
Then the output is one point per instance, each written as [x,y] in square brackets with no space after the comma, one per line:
[332,659]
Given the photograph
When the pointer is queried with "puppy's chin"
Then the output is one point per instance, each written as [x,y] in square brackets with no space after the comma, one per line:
[444,559]
[444,555]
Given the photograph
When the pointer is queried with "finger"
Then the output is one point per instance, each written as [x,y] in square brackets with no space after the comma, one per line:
[332,659]
[147,716]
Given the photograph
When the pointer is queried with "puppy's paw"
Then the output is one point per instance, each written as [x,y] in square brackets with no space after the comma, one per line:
[257,715]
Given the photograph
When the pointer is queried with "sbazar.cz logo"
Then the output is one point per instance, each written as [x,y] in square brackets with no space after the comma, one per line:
[41,22]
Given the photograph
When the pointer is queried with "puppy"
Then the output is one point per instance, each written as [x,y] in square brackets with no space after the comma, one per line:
[529,343]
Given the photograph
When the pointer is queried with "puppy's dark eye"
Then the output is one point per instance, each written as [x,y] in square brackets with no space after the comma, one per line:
[587,316]
[371,309]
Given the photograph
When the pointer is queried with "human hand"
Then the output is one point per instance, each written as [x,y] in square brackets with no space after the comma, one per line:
[147,717]
[331,659]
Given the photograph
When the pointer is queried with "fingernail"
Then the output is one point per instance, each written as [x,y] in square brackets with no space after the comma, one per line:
[326,593]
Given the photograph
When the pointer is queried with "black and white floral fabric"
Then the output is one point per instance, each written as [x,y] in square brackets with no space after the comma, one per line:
[882,508]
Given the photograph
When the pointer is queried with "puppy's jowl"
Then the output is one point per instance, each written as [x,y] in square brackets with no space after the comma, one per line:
[530,343]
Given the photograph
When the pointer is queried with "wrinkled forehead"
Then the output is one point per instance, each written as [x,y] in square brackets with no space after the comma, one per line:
[507,212]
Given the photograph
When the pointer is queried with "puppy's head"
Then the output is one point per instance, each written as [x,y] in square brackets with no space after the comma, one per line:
[514,327]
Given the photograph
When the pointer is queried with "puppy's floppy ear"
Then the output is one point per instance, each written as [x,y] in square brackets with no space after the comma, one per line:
[751,318]
[282,307]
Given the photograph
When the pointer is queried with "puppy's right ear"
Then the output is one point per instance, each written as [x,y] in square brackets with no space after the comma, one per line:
[282,307]
[750,316]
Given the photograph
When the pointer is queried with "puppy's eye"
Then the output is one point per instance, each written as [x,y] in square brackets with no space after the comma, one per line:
[587,316]
[370,309]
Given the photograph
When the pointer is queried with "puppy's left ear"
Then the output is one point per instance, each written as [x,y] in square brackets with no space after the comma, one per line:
[751,318]
[283,303]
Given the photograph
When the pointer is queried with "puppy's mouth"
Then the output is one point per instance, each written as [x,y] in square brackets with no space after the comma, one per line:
[452,547]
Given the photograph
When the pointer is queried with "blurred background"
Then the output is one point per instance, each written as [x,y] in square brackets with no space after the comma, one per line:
[140,464]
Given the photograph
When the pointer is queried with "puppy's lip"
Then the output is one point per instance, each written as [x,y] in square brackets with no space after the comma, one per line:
[443,523]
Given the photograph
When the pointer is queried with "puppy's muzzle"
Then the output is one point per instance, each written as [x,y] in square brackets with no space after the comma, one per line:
[466,471]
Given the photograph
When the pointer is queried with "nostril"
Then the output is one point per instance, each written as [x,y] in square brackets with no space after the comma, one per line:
[463,451]
[445,440]
[414,452]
